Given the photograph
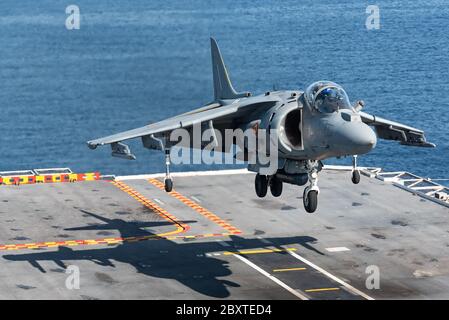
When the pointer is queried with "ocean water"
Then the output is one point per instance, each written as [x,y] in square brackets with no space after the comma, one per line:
[135,62]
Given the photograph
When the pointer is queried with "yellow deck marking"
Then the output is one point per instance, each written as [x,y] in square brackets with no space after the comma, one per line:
[244,252]
[322,289]
[180,227]
[195,206]
[172,235]
[288,269]
[104,242]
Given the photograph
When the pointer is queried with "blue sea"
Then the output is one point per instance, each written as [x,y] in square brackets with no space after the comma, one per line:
[135,62]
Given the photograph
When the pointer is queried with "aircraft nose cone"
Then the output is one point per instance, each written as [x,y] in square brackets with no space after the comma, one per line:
[363,139]
[353,138]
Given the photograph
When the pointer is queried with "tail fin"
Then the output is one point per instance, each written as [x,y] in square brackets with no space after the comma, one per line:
[223,88]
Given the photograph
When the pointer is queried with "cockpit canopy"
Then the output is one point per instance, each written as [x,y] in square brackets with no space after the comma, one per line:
[327,97]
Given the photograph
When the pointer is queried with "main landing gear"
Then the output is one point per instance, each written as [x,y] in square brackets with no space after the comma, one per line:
[355,172]
[168,182]
[309,172]
[262,183]
[276,186]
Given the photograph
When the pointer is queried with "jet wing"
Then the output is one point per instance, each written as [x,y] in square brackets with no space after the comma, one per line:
[181,121]
[390,130]
[214,111]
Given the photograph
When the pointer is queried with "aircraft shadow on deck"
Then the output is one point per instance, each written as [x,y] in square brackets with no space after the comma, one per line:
[185,262]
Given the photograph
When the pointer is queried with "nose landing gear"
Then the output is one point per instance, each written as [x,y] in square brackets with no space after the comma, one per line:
[310,195]
[310,200]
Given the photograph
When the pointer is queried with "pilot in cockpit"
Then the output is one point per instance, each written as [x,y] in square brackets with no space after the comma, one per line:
[327,97]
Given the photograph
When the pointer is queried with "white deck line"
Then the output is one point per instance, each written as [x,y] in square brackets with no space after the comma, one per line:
[331,276]
[337,249]
[272,278]
[185,174]
[216,173]
[347,168]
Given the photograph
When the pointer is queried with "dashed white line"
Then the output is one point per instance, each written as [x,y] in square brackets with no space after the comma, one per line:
[195,198]
[158,201]
[337,249]
[269,276]
[331,276]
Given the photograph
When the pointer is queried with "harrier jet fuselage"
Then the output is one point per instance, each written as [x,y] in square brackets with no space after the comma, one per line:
[310,126]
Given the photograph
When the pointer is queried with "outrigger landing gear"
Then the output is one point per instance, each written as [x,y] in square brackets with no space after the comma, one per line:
[168,182]
[355,172]
[310,196]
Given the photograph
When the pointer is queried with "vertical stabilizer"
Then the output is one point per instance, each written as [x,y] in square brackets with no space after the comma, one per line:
[223,88]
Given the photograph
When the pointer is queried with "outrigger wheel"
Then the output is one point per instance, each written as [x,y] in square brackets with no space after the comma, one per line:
[261,184]
[355,172]
[310,200]
[355,176]
[168,184]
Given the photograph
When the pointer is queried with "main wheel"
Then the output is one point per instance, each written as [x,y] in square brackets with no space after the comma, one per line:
[275,186]
[310,200]
[355,176]
[261,184]
[168,184]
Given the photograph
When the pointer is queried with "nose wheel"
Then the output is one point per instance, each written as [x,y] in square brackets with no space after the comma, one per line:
[310,195]
[355,172]
[310,200]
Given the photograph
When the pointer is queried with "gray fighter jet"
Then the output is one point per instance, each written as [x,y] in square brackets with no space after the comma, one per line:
[311,126]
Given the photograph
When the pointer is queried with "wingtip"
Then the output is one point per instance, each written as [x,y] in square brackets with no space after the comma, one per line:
[91,145]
